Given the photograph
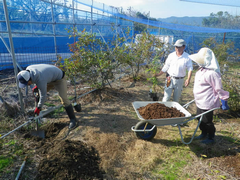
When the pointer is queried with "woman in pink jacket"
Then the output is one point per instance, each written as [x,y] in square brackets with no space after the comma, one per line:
[208,91]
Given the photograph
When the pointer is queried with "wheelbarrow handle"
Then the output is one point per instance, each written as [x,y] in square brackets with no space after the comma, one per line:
[200,120]
[186,105]
[206,112]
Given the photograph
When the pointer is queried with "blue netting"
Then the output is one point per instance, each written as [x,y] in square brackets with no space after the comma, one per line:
[40,28]
[172,26]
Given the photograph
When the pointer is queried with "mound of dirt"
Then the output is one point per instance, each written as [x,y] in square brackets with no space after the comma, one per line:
[64,159]
[105,95]
[70,160]
[9,109]
[53,129]
[159,111]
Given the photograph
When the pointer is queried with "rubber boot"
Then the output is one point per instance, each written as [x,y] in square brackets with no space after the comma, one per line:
[209,140]
[71,115]
[202,135]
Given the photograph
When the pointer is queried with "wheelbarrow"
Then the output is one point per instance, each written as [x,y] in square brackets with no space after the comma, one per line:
[146,129]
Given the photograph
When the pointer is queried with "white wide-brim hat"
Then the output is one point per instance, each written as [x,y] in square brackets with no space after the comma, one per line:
[206,58]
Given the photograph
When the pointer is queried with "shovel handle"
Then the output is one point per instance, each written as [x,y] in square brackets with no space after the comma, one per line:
[37,121]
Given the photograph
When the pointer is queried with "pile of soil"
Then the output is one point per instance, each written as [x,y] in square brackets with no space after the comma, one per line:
[159,111]
[64,159]
[70,160]
[9,109]
[51,131]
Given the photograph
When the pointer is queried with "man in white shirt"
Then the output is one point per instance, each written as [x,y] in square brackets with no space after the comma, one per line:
[175,66]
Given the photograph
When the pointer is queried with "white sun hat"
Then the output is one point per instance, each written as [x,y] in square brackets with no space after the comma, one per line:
[206,58]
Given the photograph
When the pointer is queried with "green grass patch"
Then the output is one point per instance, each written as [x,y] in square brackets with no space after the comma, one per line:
[172,168]
[56,112]
[5,162]
[11,142]
[228,134]
[173,162]
[71,97]
[15,147]
[49,104]
[231,140]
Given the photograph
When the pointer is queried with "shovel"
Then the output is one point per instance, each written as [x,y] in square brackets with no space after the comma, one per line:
[38,132]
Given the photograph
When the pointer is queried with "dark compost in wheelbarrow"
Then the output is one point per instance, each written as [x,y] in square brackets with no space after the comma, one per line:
[159,111]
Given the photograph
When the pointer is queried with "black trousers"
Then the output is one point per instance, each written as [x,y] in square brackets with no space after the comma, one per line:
[206,125]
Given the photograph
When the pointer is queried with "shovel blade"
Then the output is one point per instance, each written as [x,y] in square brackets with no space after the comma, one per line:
[38,133]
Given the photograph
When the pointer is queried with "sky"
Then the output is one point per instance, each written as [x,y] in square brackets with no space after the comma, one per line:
[168,8]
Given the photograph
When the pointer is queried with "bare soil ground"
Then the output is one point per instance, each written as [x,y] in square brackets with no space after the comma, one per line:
[103,146]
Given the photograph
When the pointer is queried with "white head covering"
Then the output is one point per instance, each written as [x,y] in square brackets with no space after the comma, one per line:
[206,58]
[23,78]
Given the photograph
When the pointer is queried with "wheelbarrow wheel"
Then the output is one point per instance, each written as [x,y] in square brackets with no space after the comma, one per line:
[147,135]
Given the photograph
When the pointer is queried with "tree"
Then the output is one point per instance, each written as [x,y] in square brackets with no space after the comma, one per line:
[221,50]
[92,59]
[145,49]
[139,27]
[222,20]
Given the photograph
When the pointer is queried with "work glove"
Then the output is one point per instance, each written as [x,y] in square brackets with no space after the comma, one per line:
[224,105]
[37,110]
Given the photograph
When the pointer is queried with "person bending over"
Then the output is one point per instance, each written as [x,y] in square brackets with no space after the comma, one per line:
[47,77]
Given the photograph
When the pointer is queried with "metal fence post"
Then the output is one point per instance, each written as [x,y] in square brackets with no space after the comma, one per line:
[12,52]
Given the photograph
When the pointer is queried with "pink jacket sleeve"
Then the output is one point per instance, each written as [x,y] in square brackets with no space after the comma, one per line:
[214,79]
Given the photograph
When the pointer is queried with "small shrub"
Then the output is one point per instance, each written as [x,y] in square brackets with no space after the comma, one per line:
[154,68]
[92,60]
[232,86]
[146,49]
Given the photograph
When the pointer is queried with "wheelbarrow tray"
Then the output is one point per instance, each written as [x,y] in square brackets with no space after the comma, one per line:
[164,121]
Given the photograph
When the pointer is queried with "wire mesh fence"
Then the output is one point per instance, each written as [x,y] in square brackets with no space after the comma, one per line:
[33,55]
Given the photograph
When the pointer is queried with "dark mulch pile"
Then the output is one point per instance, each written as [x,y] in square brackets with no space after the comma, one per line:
[159,111]
[66,160]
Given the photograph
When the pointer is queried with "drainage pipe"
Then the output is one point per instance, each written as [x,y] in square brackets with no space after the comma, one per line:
[21,168]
